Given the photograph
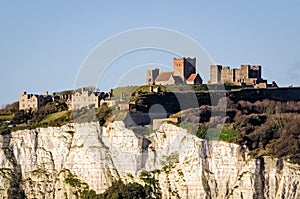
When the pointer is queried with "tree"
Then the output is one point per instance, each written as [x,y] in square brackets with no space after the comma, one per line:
[22,117]
[119,190]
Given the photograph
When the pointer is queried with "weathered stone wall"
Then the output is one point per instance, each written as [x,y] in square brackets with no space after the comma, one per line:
[178,65]
[184,67]
[215,74]
[227,75]
[151,76]
[189,67]
[250,75]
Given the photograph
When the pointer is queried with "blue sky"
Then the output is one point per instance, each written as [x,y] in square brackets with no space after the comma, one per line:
[44,43]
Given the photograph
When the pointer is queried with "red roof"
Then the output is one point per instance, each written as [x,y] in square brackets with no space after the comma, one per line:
[192,77]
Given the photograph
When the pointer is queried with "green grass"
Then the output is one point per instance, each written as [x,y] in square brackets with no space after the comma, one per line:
[127,90]
[55,116]
[6,117]
[54,119]
[229,135]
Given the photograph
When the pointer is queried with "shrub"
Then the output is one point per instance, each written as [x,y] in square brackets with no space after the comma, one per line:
[277,136]
[104,114]
[10,109]
[126,191]
[21,117]
[5,131]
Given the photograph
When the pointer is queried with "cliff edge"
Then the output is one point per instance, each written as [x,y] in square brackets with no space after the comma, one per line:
[59,162]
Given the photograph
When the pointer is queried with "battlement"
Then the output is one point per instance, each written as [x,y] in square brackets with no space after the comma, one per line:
[248,75]
[184,67]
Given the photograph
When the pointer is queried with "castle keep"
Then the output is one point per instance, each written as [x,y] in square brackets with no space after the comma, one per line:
[246,75]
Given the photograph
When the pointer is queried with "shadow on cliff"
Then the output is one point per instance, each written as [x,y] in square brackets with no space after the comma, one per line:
[15,190]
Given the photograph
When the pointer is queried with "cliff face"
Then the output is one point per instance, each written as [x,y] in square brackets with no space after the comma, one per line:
[57,162]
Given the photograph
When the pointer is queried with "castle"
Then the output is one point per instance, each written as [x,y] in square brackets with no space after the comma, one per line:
[184,73]
[246,75]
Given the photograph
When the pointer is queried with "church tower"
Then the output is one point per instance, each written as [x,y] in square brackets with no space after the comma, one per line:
[184,67]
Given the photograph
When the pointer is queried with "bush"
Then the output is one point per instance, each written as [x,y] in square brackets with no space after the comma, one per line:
[278,135]
[119,190]
[10,109]
[5,131]
[104,114]
[267,127]
[21,117]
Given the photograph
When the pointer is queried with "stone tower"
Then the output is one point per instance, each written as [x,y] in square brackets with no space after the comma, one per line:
[151,76]
[184,67]
[215,74]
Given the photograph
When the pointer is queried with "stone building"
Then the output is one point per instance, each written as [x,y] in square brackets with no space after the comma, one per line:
[167,78]
[246,75]
[184,67]
[151,76]
[33,101]
[184,73]
[65,96]
[87,99]
[110,101]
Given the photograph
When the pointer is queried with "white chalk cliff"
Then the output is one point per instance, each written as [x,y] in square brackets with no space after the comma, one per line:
[50,163]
